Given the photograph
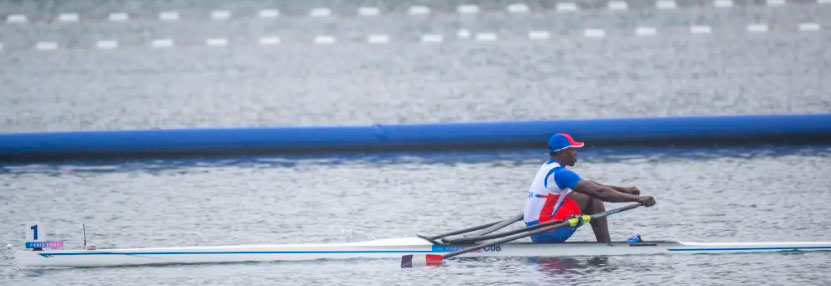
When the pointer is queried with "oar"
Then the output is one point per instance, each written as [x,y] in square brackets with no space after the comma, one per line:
[475,228]
[474,239]
[408,261]
[483,232]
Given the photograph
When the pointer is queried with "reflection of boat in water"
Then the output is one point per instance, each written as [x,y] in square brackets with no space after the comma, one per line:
[556,265]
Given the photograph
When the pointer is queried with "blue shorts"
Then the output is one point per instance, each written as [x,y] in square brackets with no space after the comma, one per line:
[558,235]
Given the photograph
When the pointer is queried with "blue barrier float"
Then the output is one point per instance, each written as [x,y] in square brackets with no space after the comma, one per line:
[744,129]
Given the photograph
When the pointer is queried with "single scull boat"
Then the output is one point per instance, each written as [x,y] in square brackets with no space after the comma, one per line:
[384,248]
[409,250]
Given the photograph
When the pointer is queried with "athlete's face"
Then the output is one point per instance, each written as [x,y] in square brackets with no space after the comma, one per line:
[567,156]
[573,152]
[571,156]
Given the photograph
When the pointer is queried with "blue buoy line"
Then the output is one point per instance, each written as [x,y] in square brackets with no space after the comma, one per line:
[742,129]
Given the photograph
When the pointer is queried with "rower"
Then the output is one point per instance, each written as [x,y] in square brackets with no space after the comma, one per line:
[558,193]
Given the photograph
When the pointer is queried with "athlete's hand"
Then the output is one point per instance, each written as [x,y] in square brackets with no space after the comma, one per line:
[646,201]
[634,191]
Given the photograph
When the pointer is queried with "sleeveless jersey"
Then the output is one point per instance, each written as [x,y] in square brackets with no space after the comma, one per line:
[548,192]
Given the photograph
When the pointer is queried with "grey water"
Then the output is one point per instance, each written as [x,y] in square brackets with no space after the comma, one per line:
[762,193]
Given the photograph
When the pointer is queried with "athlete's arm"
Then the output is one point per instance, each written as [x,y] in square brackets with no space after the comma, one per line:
[625,190]
[608,194]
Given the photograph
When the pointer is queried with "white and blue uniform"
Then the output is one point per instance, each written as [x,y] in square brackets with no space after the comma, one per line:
[547,200]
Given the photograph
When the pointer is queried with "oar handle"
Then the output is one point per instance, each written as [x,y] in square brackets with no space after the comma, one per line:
[538,231]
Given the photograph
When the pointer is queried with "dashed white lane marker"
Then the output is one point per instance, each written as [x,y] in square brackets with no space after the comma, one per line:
[118,17]
[46,46]
[666,4]
[594,33]
[418,10]
[701,30]
[269,41]
[467,9]
[775,2]
[269,13]
[723,3]
[517,8]
[431,38]
[757,28]
[16,18]
[369,11]
[486,37]
[169,16]
[216,42]
[566,7]
[220,15]
[463,34]
[1,46]
[320,12]
[68,17]
[324,40]
[539,35]
[809,27]
[377,39]
[106,45]
[823,1]
[162,43]
[618,5]
[646,31]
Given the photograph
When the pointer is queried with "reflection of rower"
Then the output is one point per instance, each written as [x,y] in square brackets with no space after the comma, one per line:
[558,193]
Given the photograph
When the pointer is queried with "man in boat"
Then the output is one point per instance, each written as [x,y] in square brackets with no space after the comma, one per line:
[558,193]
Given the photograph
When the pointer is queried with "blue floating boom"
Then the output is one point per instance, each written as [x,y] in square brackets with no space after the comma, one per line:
[755,129]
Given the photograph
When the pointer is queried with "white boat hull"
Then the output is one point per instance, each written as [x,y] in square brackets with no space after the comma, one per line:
[385,248]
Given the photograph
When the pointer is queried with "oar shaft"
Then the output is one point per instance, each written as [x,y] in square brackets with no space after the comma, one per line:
[474,236]
[474,239]
[497,226]
[469,239]
[538,231]
[463,230]
[504,240]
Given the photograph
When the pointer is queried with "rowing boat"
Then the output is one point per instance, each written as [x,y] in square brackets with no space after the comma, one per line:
[412,251]
[383,248]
